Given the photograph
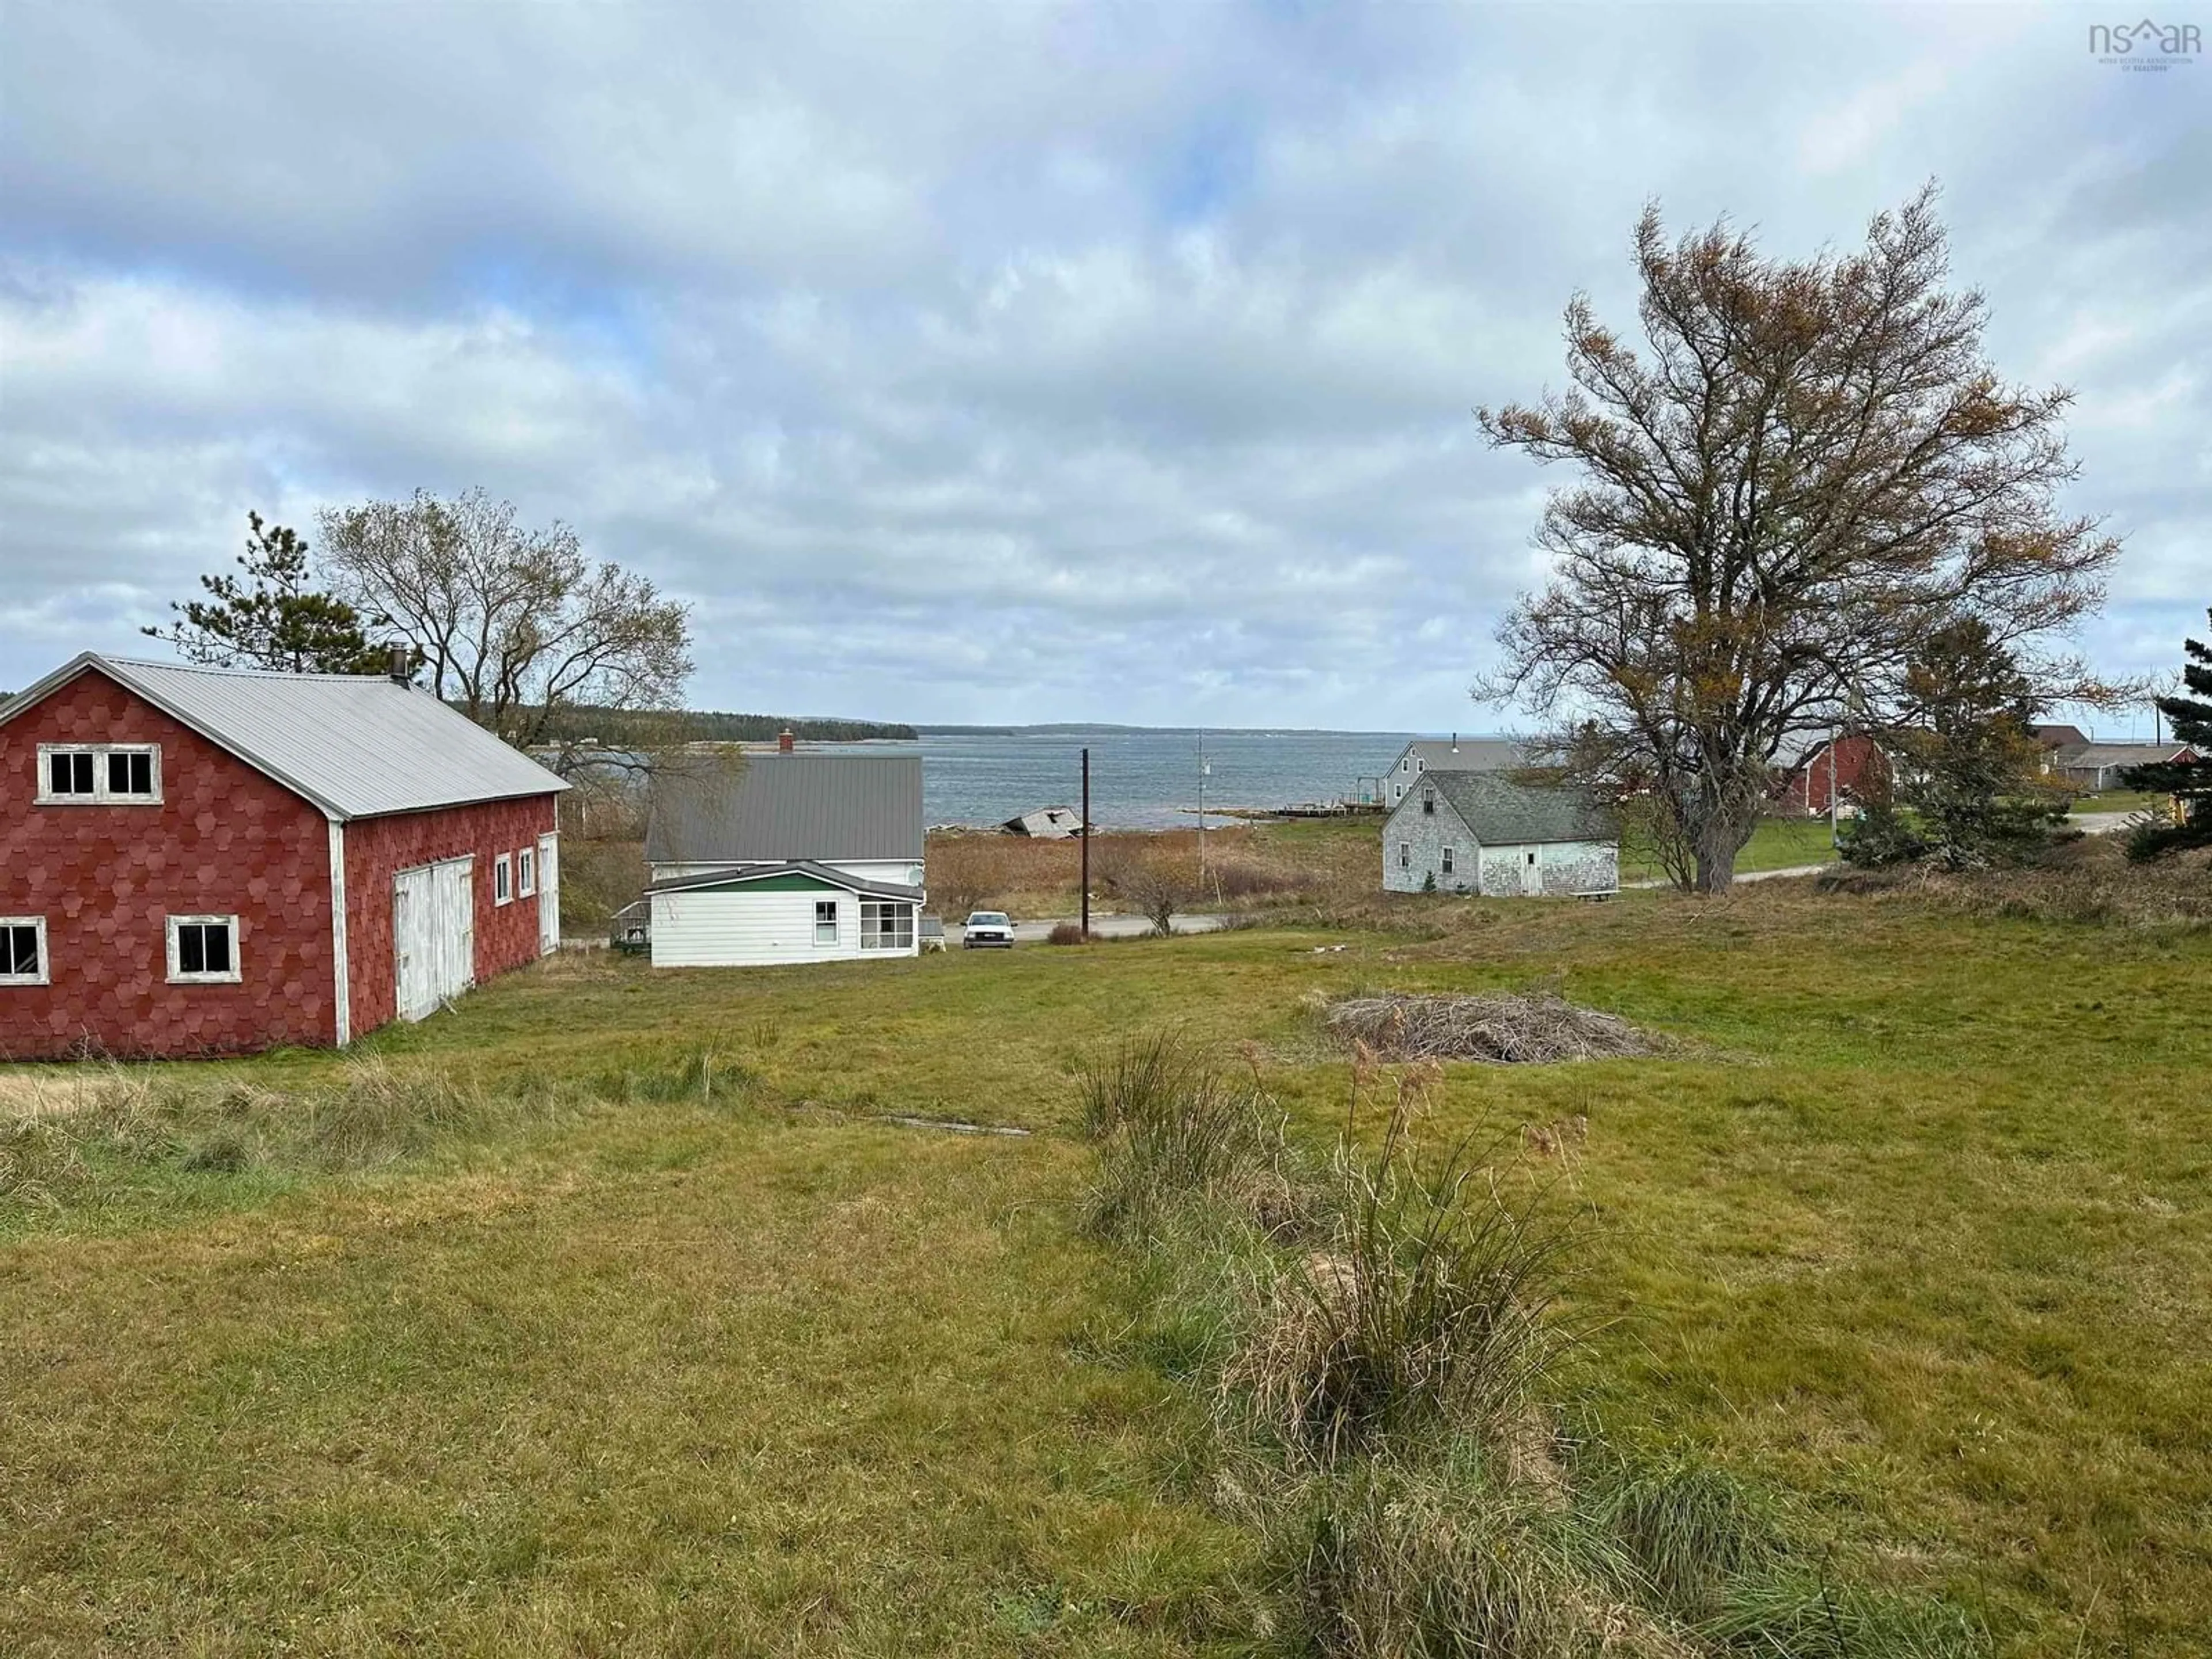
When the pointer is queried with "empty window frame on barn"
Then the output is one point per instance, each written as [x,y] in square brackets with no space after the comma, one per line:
[825,921]
[22,949]
[1448,860]
[1405,855]
[100,773]
[886,926]
[203,950]
[502,879]
[1428,801]
[526,871]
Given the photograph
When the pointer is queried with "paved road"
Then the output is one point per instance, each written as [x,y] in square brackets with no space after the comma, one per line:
[1033,932]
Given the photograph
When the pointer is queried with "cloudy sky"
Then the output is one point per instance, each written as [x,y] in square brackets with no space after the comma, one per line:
[1021,363]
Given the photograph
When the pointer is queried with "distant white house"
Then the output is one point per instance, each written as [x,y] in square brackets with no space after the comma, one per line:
[790,858]
[1481,832]
[1454,754]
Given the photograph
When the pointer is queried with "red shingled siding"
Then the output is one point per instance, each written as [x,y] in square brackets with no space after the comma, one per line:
[224,839]
[376,849]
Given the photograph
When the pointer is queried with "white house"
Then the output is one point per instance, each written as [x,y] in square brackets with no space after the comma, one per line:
[1481,832]
[1455,754]
[788,858]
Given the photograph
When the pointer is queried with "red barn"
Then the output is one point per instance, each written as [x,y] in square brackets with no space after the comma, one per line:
[1849,766]
[205,860]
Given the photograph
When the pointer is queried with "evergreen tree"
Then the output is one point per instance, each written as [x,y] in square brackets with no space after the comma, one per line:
[1968,770]
[272,619]
[2189,782]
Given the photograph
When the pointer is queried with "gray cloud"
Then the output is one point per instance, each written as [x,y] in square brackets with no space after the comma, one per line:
[968,362]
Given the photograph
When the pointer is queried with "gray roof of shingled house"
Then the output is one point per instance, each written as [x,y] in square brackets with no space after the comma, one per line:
[1502,813]
[356,745]
[772,808]
[1466,754]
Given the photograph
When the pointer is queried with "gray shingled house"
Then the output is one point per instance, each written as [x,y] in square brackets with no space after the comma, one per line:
[1481,832]
[1454,754]
[788,858]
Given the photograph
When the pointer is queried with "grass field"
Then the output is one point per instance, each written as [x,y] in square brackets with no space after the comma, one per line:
[664,1339]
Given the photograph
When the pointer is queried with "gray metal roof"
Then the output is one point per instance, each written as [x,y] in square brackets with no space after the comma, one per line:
[356,745]
[2120,754]
[1462,754]
[1500,812]
[708,879]
[772,807]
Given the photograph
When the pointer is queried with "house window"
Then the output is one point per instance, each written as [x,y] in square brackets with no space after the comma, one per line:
[502,879]
[22,949]
[1421,765]
[526,871]
[886,925]
[1428,803]
[203,950]
[99,774]
[1405,855]
[1531,856]
[825,921]
[1448,860]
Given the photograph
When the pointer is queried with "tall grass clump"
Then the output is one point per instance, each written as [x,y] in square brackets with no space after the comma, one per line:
[1377,1341]
[1175,1134]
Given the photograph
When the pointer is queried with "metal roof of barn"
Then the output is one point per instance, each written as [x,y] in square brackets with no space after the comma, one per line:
[1502,813]
[781,807]
[356,745]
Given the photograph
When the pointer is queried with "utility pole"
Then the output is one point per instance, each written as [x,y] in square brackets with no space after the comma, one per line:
[1085,829]
[1202,807]
[1835,836]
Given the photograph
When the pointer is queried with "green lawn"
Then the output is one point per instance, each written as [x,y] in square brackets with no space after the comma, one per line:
[699,1354]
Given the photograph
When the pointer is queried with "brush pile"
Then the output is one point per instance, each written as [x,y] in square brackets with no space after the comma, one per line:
[1502,1029]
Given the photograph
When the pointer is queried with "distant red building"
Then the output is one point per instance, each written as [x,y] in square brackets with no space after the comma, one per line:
[1852,767]
[203,862]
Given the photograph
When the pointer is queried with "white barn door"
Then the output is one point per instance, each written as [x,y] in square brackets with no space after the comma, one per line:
[434,934]
[549,894]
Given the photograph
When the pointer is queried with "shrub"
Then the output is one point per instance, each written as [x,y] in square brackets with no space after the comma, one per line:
[1066,933]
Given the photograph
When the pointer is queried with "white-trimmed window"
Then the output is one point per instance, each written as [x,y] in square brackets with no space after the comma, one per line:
[23,951]
[502,879]
[886,925]
[1448,860]
[825,921]
[1405,855]
[525,872]
[100,773]
[203,950]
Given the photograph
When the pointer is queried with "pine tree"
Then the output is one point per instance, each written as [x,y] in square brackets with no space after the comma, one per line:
[2189,782]
[277,622]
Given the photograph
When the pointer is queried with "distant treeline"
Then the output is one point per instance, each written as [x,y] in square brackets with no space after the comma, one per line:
[635,727]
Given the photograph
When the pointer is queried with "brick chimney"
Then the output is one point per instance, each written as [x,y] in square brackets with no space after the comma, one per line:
[784,743]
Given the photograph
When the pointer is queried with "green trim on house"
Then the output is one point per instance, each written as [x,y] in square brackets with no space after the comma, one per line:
[789,882]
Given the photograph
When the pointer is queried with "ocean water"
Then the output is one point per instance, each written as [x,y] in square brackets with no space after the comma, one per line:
[1142,778]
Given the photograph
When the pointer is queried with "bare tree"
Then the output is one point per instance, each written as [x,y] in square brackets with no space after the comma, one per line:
[515,627]
[1157,889]
[1810,469]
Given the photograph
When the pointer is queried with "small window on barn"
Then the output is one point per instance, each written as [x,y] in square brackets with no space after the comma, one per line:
[22,949]
[526,871]
[825,921]
[1448,860]
[1428,803]
[97,773]
[1405,855]
[1532,855]
[203,950]
[502,879]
